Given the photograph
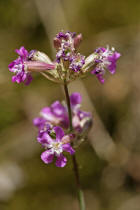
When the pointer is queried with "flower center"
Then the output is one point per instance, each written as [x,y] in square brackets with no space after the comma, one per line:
[57,147]
[17,68]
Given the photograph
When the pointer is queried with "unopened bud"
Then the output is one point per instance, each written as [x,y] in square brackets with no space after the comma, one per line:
[77,40]
[57,43]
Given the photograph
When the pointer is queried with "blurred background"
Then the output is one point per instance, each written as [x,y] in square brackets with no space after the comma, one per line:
[110,158]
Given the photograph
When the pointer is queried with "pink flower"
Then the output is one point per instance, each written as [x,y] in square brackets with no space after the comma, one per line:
[23,66]
[105,59]
[57,114]
[55,146]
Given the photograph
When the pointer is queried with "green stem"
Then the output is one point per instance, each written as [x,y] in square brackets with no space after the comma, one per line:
[75,164]
[68,106]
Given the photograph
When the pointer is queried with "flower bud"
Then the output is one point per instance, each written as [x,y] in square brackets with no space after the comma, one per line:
[77,40]
[57,43]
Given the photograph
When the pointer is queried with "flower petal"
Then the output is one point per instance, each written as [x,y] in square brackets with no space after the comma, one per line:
[22,52]
[58,109]
[47,156]
[100,78]
[47,114]
[99,74]
[61,161]
[45,139]
[59,133]
[39,121]
[75,98]
[28,79]
[67,147]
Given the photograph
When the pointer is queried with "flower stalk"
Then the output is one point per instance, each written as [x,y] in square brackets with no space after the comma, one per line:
[75,164]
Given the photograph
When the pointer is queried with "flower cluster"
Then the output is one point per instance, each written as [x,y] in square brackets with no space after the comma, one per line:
[105,59]
[55,143]
[68,65]
[49,122]
[57,114]
[66,45]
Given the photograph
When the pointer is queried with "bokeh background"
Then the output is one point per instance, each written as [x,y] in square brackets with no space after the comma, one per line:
[110,158]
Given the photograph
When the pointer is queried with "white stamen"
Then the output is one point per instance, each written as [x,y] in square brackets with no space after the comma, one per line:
[56,147]
[17,68]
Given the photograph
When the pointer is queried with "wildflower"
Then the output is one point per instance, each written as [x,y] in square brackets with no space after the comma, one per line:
[71,64]
[66,45]
[57,114]
[17,67]
[55,146]
[105,59]
[68,65]
[23,66]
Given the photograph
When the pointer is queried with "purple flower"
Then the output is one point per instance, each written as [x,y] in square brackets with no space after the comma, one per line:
[55,147]
[79,118]
[105,59]
[18,67]
[24,64]
[68,65]
[66,45]
[57,114]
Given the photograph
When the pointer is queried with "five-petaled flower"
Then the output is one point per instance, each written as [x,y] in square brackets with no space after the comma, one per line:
[55,145]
